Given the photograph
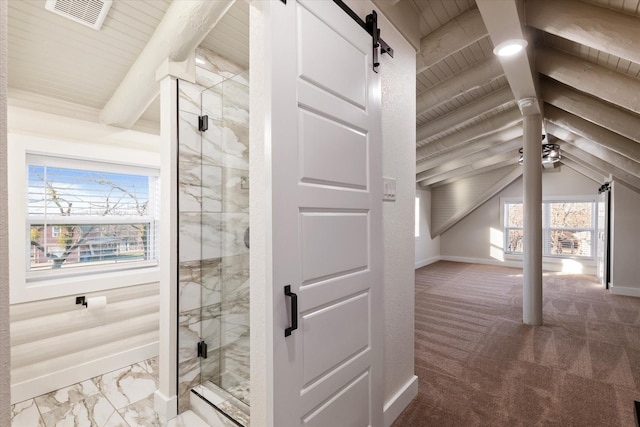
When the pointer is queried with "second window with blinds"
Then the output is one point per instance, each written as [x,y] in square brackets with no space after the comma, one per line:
[568,227]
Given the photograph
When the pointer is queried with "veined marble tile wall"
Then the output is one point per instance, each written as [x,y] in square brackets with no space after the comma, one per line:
[214,216]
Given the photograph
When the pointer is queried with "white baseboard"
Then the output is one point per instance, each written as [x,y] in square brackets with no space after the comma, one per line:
[165,406]
[75,374]
[515,263]
[394,407]
[622,290]
[426,262]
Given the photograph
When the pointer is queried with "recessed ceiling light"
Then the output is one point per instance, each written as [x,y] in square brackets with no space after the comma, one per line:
[510,47]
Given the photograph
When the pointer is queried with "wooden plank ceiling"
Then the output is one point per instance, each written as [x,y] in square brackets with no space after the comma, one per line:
[585,68]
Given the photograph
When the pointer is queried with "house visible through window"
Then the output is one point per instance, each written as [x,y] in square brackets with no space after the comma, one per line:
[89,216]
[568,228]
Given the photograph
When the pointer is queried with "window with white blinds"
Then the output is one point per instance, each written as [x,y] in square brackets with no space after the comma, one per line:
[568,228]
[85,216]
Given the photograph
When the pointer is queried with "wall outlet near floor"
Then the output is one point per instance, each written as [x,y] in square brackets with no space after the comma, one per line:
[388,189]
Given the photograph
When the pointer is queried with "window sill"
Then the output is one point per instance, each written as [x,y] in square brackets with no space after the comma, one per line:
[40,289]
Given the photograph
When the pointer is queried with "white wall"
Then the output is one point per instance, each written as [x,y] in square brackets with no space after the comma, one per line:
[54,342]
[427,249]
[399,158]
[472,239]
[5,398]
[625,240]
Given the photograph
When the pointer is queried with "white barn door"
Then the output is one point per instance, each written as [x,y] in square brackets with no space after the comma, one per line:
[326,242]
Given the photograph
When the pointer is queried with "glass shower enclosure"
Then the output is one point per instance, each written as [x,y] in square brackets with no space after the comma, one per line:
[213,176]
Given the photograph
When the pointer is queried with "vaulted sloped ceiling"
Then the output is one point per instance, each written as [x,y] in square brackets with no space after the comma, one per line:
[583,64]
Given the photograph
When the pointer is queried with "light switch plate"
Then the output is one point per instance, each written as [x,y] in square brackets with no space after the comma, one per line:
[389,189]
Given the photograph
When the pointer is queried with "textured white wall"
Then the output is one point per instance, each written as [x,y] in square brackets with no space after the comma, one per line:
[471,237]
[625,243]
[398,162]
[427,249]
[5,397]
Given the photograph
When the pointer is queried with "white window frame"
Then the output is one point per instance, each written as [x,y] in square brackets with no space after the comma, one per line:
[25,287]
[546,226]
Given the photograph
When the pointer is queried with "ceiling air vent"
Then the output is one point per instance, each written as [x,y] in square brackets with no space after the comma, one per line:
[91,13]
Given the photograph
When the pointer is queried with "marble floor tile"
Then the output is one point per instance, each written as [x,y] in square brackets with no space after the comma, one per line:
[151,366]
[126,386]
[187,419]
[26,414]
[64,396]
[94,411]
[141,414]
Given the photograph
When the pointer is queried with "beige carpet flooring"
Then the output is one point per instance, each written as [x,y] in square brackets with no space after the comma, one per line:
[478,365]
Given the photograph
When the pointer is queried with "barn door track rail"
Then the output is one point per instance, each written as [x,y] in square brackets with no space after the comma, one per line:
[371,27]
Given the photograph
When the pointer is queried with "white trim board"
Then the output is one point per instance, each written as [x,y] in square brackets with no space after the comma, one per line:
[546,265]
[624,290]
[394,407]
[427,261]
[75,374]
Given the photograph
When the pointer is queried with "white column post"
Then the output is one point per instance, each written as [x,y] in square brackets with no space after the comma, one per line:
[166,397]
[532,286]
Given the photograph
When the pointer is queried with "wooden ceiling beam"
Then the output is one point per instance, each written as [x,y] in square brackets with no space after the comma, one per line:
[576,153]
[477,145]
[486,127]
[464,114]
[503,20]
[603,114]
[462,161]
[612,141]
[453,36]
[596,27]
[584,170]
[469,79]
[590,78]
[484,165]
[181,30]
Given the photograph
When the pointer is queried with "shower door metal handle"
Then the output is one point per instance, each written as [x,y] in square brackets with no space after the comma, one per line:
[294,311]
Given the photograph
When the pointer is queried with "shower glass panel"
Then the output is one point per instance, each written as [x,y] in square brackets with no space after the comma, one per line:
[213,241]
[225,290]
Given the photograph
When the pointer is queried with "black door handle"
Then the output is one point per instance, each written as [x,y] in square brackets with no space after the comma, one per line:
[294,311]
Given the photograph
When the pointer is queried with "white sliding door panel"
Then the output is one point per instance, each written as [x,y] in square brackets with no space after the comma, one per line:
[324,151]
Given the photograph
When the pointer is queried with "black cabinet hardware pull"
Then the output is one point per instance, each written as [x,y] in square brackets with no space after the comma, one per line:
[294,311]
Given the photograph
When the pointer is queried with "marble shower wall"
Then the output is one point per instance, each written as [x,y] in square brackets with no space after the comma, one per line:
[214,215]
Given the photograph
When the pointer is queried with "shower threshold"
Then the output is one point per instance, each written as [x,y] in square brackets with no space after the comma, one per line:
[229,410]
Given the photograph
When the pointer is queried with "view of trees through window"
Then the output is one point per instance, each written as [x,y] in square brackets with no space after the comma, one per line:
[79,216]
[568,228]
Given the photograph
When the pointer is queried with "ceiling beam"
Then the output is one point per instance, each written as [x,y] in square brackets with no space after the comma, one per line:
[592,109]
[583,170]
[471,78]
[462,161]
[453,36]
[478,166]
[475,172]
[596,170]
[511,174]
[589,159]
[610,140]
[597,27]
[477,145]
[588,77]
[468,112]
[486,127]
[181,30]
[502,19]
[600,151]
